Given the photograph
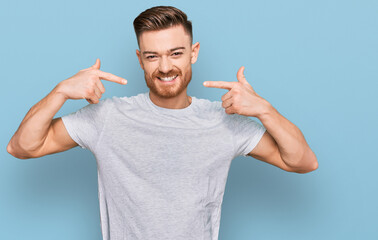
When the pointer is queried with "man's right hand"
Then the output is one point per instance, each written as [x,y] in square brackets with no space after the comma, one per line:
[86,84]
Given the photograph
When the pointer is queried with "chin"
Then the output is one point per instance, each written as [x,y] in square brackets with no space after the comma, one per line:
[167,91]
[165,94]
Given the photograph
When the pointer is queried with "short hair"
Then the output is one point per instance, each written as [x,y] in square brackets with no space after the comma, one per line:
[159,18]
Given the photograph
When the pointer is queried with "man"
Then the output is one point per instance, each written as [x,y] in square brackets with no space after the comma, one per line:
[162,156]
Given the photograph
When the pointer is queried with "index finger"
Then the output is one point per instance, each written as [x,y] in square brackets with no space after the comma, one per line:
[110,77]
[219,84]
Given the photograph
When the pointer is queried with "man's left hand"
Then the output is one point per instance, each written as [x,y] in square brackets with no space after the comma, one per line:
[241,98]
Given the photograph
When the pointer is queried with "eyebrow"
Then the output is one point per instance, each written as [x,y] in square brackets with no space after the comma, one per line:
[170,50]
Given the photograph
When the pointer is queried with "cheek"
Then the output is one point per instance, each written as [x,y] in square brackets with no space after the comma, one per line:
[184,64]
[149,69]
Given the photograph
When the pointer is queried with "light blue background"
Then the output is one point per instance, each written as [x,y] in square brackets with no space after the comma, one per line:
[315,61]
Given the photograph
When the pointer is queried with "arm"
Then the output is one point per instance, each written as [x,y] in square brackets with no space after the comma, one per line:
[283,144]
[39,134]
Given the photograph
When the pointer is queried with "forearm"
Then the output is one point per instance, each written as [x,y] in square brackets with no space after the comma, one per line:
[292,145]
[33,129]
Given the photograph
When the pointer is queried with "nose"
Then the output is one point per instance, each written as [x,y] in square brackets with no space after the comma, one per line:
[165,65]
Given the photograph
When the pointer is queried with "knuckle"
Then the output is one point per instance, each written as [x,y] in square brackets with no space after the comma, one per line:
[92,84]
[101,88]
[93,78]
[94,100]
[89,92]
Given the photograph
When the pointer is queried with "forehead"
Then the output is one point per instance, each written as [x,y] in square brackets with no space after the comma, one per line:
[163,40]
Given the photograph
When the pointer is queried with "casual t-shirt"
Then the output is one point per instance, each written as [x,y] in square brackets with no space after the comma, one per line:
[161,172]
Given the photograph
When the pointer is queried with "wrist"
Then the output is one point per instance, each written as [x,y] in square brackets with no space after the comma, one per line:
[59,91]
[267,110]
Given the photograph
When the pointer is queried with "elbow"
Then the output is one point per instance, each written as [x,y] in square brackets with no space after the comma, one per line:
[311,169]
[314,162]
[312,166]
[315,165]
[11,150]
[307,170]
[308,163]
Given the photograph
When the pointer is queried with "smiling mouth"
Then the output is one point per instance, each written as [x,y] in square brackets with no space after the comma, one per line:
[167,79]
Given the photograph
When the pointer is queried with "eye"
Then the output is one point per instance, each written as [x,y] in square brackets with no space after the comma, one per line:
[177,53]
[150,56]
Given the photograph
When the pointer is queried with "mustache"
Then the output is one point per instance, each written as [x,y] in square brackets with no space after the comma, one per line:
[168,74]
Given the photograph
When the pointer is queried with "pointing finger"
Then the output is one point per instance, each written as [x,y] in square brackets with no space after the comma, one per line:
[219,84]
[110,77]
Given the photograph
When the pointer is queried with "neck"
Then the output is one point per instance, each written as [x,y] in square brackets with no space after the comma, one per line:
[180,101]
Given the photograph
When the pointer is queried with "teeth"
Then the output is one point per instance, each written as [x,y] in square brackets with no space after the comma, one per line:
[168,78]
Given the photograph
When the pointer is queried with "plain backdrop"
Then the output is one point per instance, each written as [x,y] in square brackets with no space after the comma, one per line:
[315,61]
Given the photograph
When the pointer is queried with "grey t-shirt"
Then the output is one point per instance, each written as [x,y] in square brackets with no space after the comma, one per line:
[161,172]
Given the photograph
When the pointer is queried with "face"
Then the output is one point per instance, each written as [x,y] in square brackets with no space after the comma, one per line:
[166,56]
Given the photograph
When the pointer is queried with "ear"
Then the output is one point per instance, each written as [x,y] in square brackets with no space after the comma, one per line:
[139,58]
[195,50]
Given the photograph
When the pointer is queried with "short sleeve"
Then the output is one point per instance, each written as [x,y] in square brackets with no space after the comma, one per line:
[85,125]
[246,133]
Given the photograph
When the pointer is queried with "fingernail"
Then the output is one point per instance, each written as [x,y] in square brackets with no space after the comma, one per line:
[205,83]
[124,81]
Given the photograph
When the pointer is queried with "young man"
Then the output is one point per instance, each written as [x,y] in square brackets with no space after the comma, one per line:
[162,156]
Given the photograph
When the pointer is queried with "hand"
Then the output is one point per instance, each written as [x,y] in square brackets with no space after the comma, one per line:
[86,84]
[241,98]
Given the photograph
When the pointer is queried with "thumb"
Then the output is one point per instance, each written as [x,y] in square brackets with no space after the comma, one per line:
[240,75]
[97,65]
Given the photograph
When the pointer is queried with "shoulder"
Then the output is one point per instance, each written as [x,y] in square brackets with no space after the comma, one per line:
[208,109]
[214,110]
[125,101]
[208,105]
[215,107]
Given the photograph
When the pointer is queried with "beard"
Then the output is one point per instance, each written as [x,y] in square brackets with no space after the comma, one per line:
[171,90]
